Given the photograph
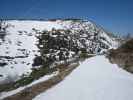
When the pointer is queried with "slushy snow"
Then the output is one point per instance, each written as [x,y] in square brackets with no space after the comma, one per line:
[94,79]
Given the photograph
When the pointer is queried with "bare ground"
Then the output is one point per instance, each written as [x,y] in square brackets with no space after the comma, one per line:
[31,92]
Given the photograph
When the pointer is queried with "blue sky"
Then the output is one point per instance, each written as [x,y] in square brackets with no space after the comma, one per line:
[114,15]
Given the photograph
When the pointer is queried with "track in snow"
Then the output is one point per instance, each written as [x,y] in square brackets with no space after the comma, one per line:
[95,79]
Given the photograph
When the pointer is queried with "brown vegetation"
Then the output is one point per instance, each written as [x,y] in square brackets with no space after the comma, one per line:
[123,56]
[31,92]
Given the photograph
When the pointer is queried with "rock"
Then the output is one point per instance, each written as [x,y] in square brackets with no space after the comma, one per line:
[37,61]
[3,64]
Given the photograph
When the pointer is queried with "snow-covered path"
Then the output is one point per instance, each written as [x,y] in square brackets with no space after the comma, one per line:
[94,79]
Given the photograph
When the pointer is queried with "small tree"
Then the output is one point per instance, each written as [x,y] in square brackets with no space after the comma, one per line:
[3,26]
[0,25]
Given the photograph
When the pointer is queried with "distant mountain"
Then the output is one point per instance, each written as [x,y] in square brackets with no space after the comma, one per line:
[28,43]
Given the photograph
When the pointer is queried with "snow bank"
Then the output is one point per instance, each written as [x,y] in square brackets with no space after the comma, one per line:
[94,79]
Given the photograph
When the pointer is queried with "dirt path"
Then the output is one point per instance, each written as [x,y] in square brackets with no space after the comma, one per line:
[31,92]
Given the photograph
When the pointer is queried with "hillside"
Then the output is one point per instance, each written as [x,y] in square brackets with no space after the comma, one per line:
[123,56]
[29,44]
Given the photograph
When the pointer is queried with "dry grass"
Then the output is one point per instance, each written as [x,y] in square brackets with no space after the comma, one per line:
[31,92]
[123,56]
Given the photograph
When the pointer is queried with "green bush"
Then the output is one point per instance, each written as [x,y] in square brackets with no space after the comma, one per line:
[83,55]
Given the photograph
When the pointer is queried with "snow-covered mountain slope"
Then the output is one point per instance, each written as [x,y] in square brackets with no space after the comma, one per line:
[94,79]
[89,32]
[18,47]
[18,42]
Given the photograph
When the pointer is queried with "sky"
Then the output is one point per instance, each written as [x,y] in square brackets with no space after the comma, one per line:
[113,15]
